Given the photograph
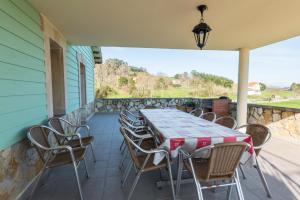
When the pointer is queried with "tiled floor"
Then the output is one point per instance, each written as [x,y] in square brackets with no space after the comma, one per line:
[104,181]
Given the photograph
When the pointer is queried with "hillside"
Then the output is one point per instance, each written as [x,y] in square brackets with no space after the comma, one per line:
[116,79]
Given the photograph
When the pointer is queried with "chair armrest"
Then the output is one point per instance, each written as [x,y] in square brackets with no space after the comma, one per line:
[76,126]
[69,135]
[79,138]
[82,126]
[144,136]
[188,155]
[136,116]
[153,151]
[261,146]
[158,150]
[140,129]
[65,147]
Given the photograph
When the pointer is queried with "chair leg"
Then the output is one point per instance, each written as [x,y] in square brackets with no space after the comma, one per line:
[171,177]
[93,152]
[179,174]
[198,186]
[127,172]
[199,190]
[123,160]
[121,146]
[242,170]
[263,179]
[214,189]
[78,180]
[229,191]
[134,184]
[86,169]
[123,149]
[47,176]
[238,186]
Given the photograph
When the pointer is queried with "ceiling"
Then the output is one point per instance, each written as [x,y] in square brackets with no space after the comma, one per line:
[168,23]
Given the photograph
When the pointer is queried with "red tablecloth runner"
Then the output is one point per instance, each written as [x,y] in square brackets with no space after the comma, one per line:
[178,129]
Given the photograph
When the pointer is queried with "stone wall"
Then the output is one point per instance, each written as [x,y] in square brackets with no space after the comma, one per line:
[20,163]
[281,121]
[115,105]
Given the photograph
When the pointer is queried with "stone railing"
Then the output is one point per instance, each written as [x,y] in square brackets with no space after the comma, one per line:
[281,121]
[115,105]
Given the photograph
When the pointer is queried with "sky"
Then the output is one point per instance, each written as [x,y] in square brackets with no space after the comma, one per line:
[275,65]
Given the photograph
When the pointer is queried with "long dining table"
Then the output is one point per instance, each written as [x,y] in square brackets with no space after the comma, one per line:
[177,129]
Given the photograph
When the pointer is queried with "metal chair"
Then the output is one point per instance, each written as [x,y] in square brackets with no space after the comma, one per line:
[137,121]
[220,166]
[209,116]
[141,129]
[260,136]
[140,136]
[136,127]
[142,160]
[132,119]
[53,155]
[197,112]
[227,121]
[133,115]
[56,124]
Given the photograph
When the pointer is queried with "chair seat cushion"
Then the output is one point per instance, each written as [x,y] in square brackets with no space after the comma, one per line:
[148,144]
[85,141]
[64,157]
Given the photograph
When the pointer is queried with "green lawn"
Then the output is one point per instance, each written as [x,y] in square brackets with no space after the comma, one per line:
[287,104]
[172,92]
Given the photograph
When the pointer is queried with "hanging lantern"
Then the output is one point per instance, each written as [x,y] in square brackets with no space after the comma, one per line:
[201,31]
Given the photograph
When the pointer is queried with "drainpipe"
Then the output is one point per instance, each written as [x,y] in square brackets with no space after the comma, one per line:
[242,95]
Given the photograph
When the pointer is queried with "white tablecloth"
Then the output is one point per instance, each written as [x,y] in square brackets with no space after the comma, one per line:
[178,129]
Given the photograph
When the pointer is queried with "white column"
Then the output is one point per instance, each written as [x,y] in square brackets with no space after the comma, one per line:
[242,94]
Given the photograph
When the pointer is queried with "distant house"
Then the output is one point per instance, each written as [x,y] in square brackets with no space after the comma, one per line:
[176,82]
[254,88]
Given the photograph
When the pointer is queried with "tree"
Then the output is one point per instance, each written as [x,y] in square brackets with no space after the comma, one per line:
[123,81]
[131,86]
[115,63]
[295,87]
[138,69]
[177,76]
[161,83]
[218,80]
[104,91]
[262,86]
[115,75]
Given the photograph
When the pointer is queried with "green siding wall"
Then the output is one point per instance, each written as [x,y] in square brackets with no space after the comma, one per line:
[73,91]
[22,71]
[23,98]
